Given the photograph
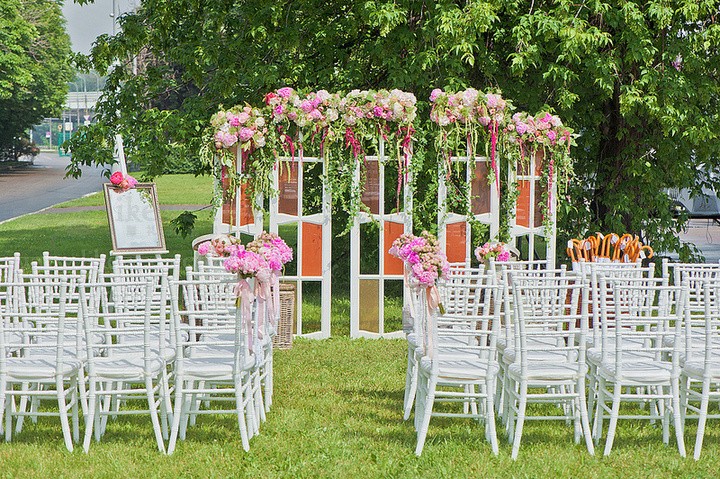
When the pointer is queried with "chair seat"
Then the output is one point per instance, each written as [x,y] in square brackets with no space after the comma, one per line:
[459,368]
[642,371]
[168,354]
[212,367]
[510,354]
[548,371]
[696,369]
[126,367]
[39,368]
[594,355]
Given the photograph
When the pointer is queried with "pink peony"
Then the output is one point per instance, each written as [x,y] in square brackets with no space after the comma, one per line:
[116,178]
[285,92]
[245,134]
[435,94]
[204,248]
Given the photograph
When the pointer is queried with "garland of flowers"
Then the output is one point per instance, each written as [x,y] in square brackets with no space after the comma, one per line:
[343,127]
[544,132]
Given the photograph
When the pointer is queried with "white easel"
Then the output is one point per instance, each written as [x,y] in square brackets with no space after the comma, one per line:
[120,164]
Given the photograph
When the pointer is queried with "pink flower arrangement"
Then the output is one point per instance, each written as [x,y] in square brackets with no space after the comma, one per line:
[467,107]
[422,256]
[245,263]
[542,129]
[245,125]
[272,247]
[223,245]
[498,251]
[124,182]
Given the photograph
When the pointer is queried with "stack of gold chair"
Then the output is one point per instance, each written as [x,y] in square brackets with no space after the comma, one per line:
[611,248]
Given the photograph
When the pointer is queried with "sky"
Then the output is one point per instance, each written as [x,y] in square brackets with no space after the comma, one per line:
[86,22]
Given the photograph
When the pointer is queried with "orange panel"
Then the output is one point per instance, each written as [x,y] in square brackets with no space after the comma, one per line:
[538,161]
[311,249]
[480,201]
[246,210]
[371,193]
[392,264]
[455,239]
[229,203]
[288,190]
[522,208]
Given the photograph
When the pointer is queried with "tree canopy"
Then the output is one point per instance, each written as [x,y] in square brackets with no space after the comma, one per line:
[639,81]
[35,64]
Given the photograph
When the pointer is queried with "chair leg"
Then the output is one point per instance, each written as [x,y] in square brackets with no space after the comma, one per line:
[617,391]
[74,411]
[599,411]
[90,418]
[522,404]
[240,411]
[410,385]
[152,405]
[63,409]
[584,417]
[490,417]
[677,417]
[702,420]
[428,402]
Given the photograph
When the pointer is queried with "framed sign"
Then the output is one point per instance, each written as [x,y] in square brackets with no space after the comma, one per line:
[134,217]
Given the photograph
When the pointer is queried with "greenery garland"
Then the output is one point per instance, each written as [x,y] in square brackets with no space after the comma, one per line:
[342,127]
[345,127]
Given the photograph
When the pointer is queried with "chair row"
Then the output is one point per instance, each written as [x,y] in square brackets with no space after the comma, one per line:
[588,341]
[80,337]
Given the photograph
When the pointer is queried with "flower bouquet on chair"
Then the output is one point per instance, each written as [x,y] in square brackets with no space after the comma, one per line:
[222,246]
[424,264]
[277,254]
[496,251]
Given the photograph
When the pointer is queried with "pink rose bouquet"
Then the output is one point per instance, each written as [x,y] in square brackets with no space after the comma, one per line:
[498,251]
[272,247]
[422,256]
[124,182]
[245,263]
[223,245]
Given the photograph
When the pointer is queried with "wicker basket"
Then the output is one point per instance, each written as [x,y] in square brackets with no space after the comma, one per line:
[284,337]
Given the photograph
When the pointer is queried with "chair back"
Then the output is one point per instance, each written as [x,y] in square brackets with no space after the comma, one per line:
[550,312]
[646,312]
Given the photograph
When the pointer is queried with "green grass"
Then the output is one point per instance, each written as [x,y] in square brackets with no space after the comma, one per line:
[172,190]
[337,413]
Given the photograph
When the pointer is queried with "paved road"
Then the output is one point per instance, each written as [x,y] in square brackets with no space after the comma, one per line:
[706,236]
[30,189]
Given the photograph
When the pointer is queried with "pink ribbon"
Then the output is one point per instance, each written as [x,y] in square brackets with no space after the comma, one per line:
[274,306]
[551,172]
[262,292]
[433,299]
[245,300]
[493,150]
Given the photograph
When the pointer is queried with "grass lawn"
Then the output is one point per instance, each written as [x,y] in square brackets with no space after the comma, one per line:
[172,190]
[337,408]
[337,413]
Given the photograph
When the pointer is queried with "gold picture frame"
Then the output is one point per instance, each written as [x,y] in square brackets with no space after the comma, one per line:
[134,218]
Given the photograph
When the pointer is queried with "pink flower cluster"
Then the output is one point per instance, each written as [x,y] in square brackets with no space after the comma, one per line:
[322,108]
[543,128]
[124,182]
[394,106]
[423,257]
[272,247]
[467,107]
[245,125]
[246,263]
[318,109]
[222,245]
[492,250]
